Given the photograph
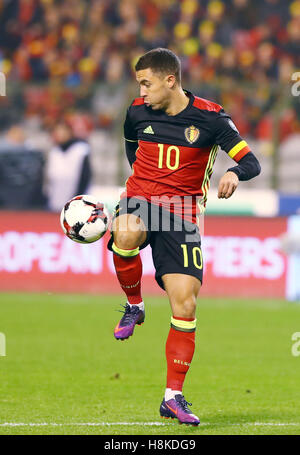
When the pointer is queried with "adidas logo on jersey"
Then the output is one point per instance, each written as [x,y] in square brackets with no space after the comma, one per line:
[148,130]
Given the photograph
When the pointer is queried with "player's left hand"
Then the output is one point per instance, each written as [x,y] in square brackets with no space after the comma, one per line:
[227,185]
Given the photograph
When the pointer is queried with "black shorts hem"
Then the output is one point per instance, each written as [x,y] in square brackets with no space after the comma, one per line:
[158,276]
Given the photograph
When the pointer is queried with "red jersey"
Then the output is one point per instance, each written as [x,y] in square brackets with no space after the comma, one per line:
[174,155]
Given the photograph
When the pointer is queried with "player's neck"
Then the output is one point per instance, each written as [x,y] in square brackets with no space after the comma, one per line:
[178,102]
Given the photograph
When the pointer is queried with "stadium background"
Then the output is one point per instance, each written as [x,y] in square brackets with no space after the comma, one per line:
[72,61]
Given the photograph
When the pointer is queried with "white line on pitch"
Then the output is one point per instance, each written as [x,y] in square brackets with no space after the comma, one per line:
[82,424]
[103,424]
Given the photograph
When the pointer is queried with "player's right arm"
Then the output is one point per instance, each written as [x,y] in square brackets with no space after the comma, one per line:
[131,140]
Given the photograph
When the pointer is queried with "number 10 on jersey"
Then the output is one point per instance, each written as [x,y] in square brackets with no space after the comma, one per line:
[169,157]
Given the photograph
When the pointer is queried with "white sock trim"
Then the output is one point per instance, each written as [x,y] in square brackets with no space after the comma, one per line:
[169,394]
[140,305]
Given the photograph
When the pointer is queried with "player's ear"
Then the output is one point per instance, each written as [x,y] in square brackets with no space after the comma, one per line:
[171,80]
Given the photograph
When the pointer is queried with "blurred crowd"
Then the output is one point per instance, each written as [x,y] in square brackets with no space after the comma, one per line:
[69,67]
[74,58]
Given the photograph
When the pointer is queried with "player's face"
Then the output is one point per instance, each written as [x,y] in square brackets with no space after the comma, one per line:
[155,88]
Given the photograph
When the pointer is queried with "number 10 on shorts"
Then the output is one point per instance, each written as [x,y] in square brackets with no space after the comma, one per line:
[197,256]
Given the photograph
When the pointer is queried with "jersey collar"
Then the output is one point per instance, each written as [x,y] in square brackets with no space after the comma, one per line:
[189,105]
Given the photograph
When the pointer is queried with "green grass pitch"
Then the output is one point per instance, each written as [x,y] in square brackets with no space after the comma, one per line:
[64,373]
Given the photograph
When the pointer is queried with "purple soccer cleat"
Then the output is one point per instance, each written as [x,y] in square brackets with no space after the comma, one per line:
[177,408]
[132,315]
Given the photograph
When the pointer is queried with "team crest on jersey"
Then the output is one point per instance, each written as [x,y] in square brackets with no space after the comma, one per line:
[191,134]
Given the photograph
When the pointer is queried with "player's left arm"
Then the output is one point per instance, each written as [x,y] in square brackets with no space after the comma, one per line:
[228,137]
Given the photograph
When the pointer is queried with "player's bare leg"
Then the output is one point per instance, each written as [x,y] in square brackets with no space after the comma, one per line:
[129,233]
[182,291]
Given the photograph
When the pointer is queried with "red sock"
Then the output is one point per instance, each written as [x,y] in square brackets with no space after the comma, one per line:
[129,273]
[180,349]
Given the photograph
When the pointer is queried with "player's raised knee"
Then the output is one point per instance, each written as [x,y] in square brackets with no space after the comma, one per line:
[127,240]
[128,223]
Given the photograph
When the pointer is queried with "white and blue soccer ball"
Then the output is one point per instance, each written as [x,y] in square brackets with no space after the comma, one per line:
[84,219]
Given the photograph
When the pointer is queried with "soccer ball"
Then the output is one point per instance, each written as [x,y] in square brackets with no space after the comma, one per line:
[84,219]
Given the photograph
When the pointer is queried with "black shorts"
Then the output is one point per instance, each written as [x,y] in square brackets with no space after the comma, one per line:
[176,244]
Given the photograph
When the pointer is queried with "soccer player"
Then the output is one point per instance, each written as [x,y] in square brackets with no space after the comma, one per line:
[172,138]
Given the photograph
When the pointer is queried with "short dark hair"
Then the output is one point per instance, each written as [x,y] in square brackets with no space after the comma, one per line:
[160,60]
